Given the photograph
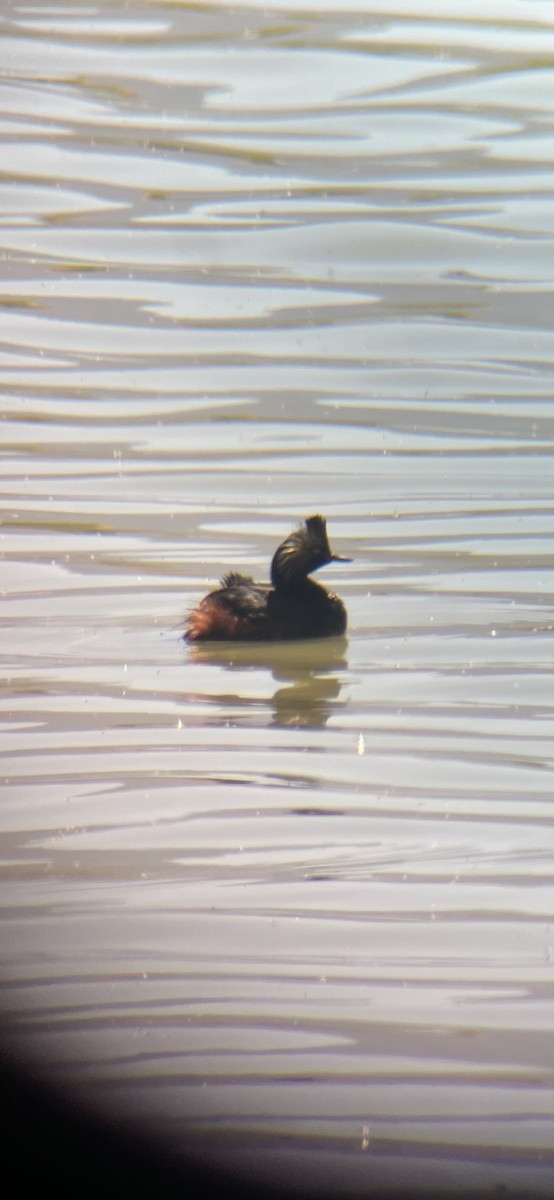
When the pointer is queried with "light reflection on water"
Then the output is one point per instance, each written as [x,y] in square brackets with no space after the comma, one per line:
[258,264]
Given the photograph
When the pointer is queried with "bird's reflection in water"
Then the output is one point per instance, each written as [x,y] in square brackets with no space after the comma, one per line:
[307,674]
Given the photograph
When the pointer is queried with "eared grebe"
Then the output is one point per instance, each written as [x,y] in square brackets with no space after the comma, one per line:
[293,607]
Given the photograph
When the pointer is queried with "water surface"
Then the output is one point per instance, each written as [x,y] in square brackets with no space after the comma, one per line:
[291,905]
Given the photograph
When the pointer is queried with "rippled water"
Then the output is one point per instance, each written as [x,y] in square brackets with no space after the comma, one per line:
[290,904]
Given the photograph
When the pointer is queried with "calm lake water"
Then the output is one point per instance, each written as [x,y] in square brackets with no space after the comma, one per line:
[292,905]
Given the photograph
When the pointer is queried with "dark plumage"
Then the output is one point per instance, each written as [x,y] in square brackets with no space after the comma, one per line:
[292,607]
